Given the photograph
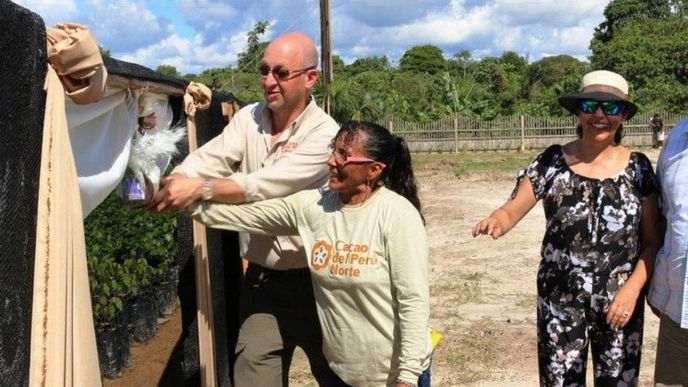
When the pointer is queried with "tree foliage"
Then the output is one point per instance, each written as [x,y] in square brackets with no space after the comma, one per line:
[460,63]
[550,77]
[372,63]
[168,70]
[249,60]
[104,52]
[423,59]
[619,12]
[650,51]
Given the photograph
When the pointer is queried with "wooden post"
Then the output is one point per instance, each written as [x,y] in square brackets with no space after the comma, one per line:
[456,135]
[390,126]
[523,134]
[326,52]
[204,300]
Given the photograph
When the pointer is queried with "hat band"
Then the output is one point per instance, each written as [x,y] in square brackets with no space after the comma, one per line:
[605,89]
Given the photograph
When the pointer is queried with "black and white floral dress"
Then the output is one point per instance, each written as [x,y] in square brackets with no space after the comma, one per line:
[589,250]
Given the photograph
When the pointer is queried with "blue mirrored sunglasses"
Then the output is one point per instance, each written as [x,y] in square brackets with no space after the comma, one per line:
[609,108]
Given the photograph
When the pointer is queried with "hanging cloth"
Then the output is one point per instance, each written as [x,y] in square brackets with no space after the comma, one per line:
[74,54]
[63,345]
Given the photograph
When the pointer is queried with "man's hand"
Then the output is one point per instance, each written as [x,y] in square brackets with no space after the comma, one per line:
[177,192]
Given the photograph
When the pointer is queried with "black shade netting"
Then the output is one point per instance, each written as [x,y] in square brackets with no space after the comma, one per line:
[132,70]
[22,105]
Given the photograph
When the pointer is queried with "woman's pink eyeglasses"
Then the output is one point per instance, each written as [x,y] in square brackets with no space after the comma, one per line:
[343,160]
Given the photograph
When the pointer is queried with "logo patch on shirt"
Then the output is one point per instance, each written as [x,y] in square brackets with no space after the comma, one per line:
[321,255]
[289,146]
[344,259]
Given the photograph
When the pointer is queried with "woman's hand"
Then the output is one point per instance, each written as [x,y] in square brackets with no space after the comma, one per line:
[488,226]
[505,217]
[622,307]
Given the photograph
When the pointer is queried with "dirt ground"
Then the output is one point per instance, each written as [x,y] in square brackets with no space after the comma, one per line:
[482,292]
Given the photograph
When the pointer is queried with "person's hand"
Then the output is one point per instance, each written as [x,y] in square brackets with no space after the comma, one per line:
[176,193]
[488,226]
[622,307]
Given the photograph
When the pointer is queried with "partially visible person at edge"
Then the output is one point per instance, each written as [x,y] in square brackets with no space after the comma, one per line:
[600,202]
[668,294]
[269,149]
[368,255]
[657,126]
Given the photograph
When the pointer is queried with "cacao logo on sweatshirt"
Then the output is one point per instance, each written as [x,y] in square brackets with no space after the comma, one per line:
[342,259]
[321,255]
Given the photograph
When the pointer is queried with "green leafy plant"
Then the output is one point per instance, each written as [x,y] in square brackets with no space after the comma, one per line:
[107,290]
[128,251]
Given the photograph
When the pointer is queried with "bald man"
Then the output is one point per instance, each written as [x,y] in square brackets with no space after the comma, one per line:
[268,150]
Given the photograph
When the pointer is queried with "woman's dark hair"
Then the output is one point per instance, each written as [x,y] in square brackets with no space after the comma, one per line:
[617,136]
[381,145]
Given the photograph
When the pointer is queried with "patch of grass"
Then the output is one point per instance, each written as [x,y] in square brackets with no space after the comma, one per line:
[459,288]
[472,277]
[301,377]
[423,160]
[470,352]
[300,372]
[492,162]
[526,300]
[466,163]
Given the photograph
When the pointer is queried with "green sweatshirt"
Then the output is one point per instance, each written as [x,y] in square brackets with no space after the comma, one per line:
[369,265]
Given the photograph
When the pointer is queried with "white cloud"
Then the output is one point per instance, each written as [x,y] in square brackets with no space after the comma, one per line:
[513,41]
[126,25]
[444,28]
[382,13]
[52,11]
[212,19]
[562,13]
[452,27]
[488,28]
[186,54]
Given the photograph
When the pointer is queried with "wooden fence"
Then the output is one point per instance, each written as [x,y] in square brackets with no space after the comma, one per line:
[454,134]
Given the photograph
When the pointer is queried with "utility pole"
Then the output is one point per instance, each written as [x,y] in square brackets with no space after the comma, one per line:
[326,52]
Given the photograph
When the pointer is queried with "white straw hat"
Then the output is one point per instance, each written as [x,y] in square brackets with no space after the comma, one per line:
[601,85]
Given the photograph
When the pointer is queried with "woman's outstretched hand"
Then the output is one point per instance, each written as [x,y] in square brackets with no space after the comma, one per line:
[488,226]
[505,217]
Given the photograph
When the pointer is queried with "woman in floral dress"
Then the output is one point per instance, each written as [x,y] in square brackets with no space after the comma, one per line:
[600,202]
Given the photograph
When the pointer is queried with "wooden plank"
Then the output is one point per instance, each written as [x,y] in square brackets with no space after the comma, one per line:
[204,311]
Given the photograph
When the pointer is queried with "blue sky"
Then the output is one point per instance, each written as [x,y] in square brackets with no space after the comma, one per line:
[194,35]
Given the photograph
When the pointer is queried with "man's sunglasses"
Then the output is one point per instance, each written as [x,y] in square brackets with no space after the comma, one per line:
[280,73]
[609,108]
